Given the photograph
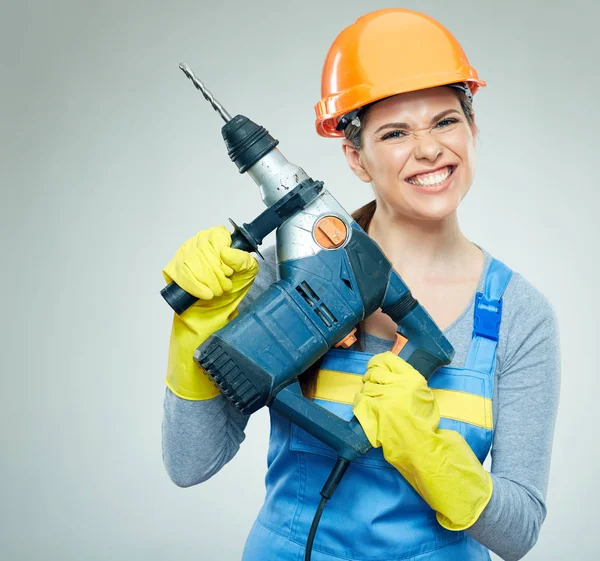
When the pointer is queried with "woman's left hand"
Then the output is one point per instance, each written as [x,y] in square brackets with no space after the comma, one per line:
[397,410]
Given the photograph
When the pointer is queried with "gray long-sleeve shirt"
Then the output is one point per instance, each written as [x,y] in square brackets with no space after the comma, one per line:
[200,437]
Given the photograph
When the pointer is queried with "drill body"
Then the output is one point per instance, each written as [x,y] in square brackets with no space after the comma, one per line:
[331,276]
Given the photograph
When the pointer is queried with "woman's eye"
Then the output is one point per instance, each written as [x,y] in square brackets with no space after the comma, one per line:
[393,134]
[446,122]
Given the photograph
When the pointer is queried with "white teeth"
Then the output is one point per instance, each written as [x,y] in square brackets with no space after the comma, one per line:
[428,179]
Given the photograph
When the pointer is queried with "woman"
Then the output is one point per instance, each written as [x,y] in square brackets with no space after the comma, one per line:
[399,88]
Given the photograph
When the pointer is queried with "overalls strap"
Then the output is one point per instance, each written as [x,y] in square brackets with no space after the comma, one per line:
[488,314]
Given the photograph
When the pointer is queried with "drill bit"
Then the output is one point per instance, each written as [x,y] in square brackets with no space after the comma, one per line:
[206,93]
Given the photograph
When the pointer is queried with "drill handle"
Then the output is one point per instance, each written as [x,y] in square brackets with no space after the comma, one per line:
[249,236]
[179,299]
[347,438]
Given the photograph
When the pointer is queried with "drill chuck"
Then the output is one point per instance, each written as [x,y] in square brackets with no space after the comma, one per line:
[246,142]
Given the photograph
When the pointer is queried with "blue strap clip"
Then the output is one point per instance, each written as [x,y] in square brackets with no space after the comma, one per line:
[488,314]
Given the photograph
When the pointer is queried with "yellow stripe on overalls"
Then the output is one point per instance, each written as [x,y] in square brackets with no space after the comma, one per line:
[341,387]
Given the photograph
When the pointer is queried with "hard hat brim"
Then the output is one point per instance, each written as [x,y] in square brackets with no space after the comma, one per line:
[330,109]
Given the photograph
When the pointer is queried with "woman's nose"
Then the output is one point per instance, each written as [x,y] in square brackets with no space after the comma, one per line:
[426,146]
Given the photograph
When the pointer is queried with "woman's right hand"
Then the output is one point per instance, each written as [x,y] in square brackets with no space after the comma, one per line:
[207,267]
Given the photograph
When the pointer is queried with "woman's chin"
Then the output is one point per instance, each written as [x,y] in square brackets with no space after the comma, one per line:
[433,210]
[436,204]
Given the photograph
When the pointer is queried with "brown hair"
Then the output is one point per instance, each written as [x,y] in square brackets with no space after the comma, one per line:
[363,217]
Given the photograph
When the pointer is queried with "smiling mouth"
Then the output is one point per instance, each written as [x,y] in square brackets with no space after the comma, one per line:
[431,179]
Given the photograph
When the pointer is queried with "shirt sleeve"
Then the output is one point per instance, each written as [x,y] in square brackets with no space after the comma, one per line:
[527,394]
[200,437]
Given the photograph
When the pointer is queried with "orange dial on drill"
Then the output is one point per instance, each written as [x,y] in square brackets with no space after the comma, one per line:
[330,232]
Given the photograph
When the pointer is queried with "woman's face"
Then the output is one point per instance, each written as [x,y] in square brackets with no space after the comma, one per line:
[418,152]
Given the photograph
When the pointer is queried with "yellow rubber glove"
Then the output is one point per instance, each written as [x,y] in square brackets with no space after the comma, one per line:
[207,267]
[397,410]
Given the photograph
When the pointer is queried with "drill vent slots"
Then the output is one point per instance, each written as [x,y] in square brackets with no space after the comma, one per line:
[313,300]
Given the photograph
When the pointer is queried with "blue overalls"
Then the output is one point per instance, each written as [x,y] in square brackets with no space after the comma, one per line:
[375,515]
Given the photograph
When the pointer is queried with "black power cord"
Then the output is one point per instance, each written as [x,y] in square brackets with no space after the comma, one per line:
[328,489]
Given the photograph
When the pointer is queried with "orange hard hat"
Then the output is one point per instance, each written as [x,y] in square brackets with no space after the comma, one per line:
[384,53]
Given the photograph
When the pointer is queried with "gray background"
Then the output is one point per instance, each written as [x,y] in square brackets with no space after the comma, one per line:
[111,159]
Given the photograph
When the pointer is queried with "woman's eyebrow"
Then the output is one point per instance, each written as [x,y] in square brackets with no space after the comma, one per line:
[407,126]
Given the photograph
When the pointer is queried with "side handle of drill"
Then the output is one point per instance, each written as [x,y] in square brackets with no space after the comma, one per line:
[249,236]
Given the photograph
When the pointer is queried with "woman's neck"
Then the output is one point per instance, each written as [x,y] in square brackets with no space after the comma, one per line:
[420,249]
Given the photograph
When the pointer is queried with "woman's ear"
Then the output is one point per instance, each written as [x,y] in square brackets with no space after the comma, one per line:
[354,161]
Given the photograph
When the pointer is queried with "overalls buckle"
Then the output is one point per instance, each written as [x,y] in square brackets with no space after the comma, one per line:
[488,314]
